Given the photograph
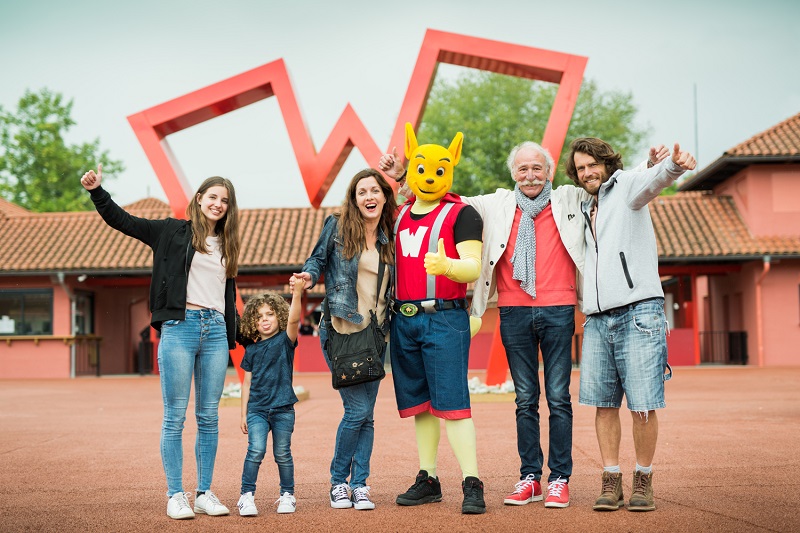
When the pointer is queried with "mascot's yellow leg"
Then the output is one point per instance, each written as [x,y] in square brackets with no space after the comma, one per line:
[461,434]
[428,434]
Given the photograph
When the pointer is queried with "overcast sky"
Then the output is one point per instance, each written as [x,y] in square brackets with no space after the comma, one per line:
[117,58]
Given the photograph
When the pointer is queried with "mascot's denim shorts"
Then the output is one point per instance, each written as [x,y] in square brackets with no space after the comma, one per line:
[429,354]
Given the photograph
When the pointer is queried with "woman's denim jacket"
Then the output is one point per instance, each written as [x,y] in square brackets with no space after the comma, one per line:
[341,275]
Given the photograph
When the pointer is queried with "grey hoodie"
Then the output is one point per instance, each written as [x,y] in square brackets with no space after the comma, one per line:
[622,263]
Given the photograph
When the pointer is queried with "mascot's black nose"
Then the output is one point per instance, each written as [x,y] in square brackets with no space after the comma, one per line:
[429,181]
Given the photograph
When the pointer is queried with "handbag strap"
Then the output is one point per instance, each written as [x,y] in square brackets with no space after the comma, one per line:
[381,269]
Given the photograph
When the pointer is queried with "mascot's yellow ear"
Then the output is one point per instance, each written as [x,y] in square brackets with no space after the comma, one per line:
[455,147]
[411,140]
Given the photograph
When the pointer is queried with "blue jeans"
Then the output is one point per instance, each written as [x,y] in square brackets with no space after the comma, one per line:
[259,424]
[356,433]
[196,346]
[524,330]
[625,351]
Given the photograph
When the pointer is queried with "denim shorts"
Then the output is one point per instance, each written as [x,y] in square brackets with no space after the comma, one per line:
[430,356]
[625,351]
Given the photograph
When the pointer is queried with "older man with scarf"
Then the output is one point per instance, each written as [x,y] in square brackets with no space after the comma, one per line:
[533,244]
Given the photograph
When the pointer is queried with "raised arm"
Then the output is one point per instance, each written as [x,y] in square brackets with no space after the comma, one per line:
[142,229]
[646,185]
[295,309]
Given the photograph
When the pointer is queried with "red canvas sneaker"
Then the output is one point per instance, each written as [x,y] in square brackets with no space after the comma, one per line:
[557,494]
[526,491]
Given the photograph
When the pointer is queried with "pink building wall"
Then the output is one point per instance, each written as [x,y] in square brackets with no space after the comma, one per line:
[780,305]
[766,196]
[119,316]
[780,292]
[49,358]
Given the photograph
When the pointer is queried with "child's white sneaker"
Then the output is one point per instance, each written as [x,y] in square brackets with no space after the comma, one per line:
[208,503]
[286,503]
[178,507]
[247,505]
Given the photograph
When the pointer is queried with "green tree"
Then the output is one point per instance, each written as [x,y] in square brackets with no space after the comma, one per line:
[497,112]
[38,169]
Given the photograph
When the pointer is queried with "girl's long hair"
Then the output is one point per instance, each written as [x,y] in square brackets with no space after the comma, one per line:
[351,223]
[227,227]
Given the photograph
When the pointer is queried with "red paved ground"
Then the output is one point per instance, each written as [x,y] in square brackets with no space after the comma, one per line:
[82,455]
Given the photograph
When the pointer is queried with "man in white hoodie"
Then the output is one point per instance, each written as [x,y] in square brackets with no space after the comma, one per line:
[624,343]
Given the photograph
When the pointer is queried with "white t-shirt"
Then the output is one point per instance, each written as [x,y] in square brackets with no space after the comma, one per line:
[206,286]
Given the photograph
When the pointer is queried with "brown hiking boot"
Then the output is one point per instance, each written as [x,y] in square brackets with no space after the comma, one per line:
[611,497]
[642,497]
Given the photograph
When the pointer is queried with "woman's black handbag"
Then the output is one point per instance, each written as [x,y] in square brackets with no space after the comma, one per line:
[356,358]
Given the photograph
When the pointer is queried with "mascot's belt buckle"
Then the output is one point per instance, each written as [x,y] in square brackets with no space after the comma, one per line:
[408,309]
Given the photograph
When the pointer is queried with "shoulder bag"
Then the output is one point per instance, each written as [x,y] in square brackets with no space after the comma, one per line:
[356,358]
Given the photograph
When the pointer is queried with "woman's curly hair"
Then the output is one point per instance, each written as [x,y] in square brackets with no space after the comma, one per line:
[249,324]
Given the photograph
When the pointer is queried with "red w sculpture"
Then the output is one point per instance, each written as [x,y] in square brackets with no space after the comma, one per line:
[319,169]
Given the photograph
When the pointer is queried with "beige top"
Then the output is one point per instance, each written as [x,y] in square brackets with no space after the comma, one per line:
[206,285]
[366,285]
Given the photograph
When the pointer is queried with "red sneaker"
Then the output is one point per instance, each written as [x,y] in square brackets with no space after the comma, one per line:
[526,491]
[557,494]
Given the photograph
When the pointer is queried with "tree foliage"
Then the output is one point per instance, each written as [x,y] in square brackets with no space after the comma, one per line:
[39,170]
[497,112]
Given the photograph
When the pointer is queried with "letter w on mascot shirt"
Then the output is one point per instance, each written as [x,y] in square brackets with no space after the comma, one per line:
[415,238]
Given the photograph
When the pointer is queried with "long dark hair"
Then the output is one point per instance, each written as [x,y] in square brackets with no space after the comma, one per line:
[227,228]
[351,223]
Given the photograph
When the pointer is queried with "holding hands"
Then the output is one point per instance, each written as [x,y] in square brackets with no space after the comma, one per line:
[297,285]
[91,180]
[303,279]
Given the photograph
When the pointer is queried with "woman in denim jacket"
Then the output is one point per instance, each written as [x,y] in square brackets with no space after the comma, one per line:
[347,253]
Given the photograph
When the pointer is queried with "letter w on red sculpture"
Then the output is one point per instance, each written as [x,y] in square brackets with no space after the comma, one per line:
[319,169]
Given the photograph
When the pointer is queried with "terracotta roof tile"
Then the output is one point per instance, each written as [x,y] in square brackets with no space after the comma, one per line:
[8,209]
[692,225]
[80,241]
[780,140]
[700,225]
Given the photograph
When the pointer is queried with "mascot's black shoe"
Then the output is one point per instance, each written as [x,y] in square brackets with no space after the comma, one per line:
[473,496]
[425,489]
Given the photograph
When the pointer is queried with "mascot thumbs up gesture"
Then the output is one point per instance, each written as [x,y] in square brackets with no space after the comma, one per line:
[438,243]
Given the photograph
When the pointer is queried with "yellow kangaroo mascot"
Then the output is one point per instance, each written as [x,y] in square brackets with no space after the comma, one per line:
[438,243]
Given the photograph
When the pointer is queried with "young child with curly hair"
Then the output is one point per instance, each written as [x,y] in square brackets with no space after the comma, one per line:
[268,397]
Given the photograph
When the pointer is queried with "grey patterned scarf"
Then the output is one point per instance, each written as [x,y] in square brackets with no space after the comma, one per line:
[524,258]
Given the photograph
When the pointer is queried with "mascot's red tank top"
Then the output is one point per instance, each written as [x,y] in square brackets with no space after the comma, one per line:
[415,238]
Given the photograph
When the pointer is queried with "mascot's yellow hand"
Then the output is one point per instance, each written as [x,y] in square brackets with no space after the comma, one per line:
[474,325]
[437,263]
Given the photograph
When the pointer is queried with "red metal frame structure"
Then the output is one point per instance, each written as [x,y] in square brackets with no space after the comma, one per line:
[319,169]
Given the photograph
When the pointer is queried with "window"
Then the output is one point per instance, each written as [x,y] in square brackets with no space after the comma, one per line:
[26,312]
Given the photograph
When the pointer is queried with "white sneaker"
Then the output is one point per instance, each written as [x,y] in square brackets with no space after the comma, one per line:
[286,503]
[340,496]
[178,507]
[247,505]
[361,499]
[209,504]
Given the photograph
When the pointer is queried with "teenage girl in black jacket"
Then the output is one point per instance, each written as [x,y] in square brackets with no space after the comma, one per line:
[192,301]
